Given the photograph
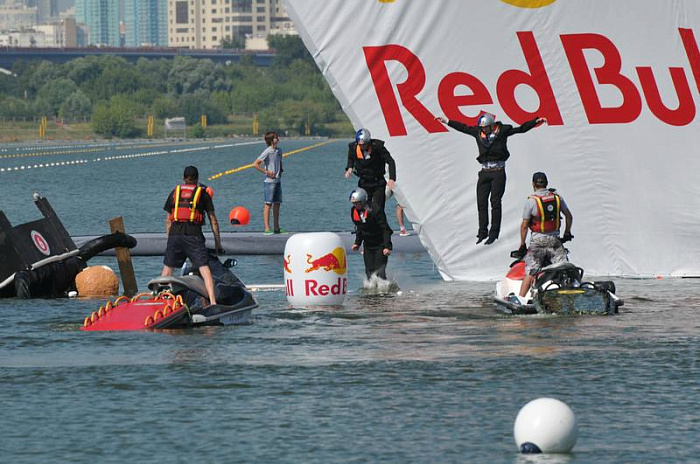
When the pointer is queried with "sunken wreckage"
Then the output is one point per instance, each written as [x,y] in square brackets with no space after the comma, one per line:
[40,260]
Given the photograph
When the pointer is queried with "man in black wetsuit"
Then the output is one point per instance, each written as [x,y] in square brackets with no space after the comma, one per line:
[492,139]
[368,158]
[372,229]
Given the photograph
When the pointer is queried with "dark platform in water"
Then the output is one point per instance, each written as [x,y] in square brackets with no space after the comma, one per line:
[249,243]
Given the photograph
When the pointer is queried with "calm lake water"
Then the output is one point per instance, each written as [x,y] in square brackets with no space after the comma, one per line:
[432,375]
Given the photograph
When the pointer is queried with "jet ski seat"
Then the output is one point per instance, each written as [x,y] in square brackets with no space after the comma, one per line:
[178,284]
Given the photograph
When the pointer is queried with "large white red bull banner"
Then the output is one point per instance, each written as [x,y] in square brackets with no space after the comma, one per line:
[618,81]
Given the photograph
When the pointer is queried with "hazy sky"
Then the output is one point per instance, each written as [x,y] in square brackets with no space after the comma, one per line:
[64,4]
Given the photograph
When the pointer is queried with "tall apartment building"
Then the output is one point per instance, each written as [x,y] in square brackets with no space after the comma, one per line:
[146,23]
[102,17]
[13,17]
[46,10]
[206,23]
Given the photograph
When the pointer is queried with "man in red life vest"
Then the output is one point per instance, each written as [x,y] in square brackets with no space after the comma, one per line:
[371,229]
[186,206]
[542,217]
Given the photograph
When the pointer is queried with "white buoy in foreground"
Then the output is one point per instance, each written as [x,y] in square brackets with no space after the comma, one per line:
[545,425]
[315,269]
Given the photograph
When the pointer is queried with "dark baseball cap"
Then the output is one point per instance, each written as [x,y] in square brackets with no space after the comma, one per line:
[539,178]
[191,172]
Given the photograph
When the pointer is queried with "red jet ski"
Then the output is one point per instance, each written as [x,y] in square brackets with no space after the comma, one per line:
[179,302]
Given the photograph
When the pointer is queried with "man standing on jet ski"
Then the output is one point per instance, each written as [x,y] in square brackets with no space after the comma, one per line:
[372,229]
[368,158]
[542,216]
[492,140]
[185,208]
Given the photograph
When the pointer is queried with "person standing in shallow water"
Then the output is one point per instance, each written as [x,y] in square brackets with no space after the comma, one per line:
[371,231]
[492,140]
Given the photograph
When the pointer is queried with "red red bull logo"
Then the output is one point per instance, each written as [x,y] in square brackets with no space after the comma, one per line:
[313,287]
[587,77]
[287,263]
[333,261]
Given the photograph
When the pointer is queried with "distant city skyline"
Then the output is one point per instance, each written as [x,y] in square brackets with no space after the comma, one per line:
[195,24]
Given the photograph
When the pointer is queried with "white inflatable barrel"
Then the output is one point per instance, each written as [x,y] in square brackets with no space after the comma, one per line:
[315,269]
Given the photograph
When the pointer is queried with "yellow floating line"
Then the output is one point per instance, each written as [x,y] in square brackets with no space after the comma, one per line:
[248,166]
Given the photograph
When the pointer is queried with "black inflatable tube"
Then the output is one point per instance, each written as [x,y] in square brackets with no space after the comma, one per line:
[106,242]
[248,243]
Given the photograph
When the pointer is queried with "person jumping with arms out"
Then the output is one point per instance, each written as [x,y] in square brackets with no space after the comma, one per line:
[542,217]
[492,140]
[185,209]
[368,158]
[270,163]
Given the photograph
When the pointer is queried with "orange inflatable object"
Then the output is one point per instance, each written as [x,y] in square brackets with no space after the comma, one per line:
[239,216]
[97,281]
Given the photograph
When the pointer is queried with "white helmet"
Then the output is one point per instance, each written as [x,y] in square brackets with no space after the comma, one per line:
[363,136]
[359,194]
[485,119]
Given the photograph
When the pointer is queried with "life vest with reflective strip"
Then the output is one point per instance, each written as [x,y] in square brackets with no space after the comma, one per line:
[548,213]
[186,206]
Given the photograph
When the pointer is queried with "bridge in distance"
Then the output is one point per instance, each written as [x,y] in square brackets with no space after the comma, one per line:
[8,55]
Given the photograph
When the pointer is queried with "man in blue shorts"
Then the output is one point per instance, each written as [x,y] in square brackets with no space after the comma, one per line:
[186,206]
[270,163]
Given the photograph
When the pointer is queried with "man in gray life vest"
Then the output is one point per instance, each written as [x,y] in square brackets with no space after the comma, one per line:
[542,217]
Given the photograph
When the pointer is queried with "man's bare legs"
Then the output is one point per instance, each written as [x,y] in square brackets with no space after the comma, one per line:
[266,216]
[276,216]
[208,283]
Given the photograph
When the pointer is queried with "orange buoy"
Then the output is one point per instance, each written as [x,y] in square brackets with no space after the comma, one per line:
[239,216]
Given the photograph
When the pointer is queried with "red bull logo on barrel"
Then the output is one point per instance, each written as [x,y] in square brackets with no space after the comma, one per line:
[333,261]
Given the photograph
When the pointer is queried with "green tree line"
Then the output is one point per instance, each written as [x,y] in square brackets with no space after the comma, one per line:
[116,96]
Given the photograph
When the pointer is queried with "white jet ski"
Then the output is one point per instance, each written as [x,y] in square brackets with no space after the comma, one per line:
[558,289]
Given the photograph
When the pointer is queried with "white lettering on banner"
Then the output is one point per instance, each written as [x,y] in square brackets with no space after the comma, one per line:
[536,77]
